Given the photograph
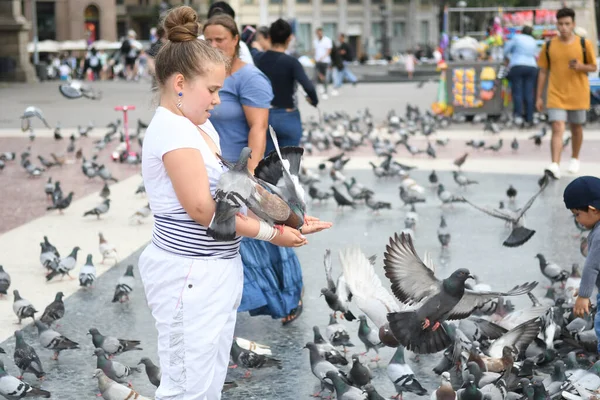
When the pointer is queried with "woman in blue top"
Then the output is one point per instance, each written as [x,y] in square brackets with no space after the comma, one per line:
[272,276]
[521,52]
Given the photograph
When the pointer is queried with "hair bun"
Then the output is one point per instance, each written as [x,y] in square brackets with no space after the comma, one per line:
[181,24]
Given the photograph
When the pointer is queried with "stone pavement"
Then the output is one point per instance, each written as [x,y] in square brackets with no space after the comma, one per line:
[476,240]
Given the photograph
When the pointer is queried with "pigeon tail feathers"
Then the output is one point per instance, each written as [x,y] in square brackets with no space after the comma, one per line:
[406,327]
[519,236]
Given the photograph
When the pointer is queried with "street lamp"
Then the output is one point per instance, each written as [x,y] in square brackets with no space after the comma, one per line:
[462,4]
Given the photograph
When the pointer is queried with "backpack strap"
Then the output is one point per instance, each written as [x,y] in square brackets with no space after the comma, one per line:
[582,41]
[548,52]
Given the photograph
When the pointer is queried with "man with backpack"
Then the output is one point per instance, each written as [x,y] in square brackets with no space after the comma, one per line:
[565,62]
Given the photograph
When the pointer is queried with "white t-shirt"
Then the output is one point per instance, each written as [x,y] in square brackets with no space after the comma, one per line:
[174,230]
[321,47]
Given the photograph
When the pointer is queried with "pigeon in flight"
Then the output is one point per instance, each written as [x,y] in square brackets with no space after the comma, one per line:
[336,294]
[33,112]
[423,330]
[519,234]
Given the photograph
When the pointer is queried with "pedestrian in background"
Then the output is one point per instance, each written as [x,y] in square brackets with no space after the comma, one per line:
[322,46]
[565,62]
[341,71]
[521,52]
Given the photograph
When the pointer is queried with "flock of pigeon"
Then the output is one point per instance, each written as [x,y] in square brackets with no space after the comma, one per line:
[485,347]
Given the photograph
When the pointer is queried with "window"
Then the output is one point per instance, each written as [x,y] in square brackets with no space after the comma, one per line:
[424,32]
[399,29]
[304,36]
[248,1]
[46,20]
[329,1]
[355,1]
[376,1]
[120,2]
[303,1]
[275,1]
[330,30]
[121,29]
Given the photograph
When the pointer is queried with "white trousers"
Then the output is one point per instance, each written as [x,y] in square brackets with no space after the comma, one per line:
[194,303]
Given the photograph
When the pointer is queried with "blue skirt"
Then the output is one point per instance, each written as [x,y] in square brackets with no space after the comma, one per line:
[272,279]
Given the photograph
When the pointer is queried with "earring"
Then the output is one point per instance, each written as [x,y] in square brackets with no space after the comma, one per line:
[180,94]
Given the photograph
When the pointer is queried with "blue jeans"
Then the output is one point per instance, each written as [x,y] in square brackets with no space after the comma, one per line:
[340,75]
[522,82]
[287,126]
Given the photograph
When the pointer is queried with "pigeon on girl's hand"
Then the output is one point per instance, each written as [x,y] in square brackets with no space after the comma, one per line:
[26,359]
[22,307]
[4,282]
[52,340]
[54,311]
[125,286]
[13,389]
[111,345]
[87,274]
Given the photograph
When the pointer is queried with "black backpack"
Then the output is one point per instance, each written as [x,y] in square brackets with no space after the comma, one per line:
[581,40]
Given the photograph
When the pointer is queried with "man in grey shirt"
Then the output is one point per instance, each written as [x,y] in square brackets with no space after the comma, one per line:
[582,197]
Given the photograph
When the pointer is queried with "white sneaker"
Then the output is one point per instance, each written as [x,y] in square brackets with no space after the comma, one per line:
[573,166]
[335,93]
[321,90]
[324,96]
[554,170]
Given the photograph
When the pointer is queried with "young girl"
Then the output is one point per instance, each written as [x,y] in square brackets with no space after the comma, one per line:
[193,283]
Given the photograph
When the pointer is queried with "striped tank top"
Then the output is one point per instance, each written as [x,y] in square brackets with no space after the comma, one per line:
[174,230]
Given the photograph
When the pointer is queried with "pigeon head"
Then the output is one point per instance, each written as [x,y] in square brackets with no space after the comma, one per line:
[446,377]
[59,296]
[93,331]
[98,373]
[523,383]
[325,292]
[1,268]
[461,275]
[362,318]
[317,335]
[99,353]
[355,358]
[310,346]
[441,188]
[88,259]
[1,365]
[19,336]
[471,379]
[41,326]
[16,295]
[145,361]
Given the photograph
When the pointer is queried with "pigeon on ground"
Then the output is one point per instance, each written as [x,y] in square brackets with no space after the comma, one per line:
[112,390]
[551,270]
[100,209]
[360,375]
[49,247]
[113,369]
[105,174]
[4,282]
[344,391]
[107,250]
[105,192]
[249,359]
[336,293]
[320,367]
[402,375]
[54,311]
[461,160]
[49,188]
[337,333]
[410,197]
[26,359]
[13,388]
[141,214]
[433,178]
[369,337]
[317,194]
[372,393]
[445,391]
[327,350]
[62,204]
[446,197]
[125,286]
[22,307]
[514,144]
[462,180]
[153,371]
[376,205]
[341,196]
[511,192]
[422,330]
[495,147]
[519,234]
[111,345]
[52,340]
[443,233]
[87,274]
[65,265]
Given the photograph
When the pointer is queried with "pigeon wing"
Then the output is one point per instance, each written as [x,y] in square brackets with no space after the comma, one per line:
[328,268]
[412,281]
[517,338]
[529,203]
[367,290]
[472,300]
[489,211]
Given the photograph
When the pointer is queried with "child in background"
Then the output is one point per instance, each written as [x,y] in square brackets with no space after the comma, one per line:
[582,197]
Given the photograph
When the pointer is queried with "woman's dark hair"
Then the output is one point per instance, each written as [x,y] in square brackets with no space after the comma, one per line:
[264,31]
[280,31]
[183,53]
[527,30]
[565,13]
[228,23]
[220,7]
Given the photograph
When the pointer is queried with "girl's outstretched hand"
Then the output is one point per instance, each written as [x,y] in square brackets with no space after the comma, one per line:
[313,225]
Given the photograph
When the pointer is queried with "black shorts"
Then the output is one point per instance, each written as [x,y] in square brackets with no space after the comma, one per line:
[130,61]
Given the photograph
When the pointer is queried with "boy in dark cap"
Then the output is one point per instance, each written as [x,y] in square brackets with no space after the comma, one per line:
[582,197]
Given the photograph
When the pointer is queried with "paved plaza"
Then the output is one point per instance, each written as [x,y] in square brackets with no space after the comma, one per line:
[476,239]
